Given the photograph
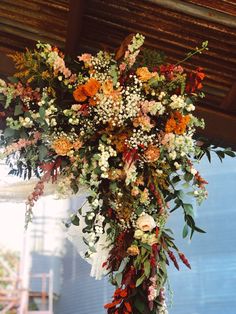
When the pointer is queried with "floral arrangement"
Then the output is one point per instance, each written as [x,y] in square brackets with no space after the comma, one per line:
[121,124]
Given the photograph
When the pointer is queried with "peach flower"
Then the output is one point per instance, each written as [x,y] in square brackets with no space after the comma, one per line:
[62,146]
[133,250]
[77,144]
[152,153]
[144,74]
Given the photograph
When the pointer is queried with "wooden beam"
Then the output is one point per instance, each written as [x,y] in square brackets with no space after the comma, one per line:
[220,127]
[229,103]
[74,28]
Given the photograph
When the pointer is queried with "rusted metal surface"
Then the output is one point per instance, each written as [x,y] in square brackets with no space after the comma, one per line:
[24,22]
[172,26]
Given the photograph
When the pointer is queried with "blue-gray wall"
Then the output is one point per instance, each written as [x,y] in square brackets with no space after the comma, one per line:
[209,288]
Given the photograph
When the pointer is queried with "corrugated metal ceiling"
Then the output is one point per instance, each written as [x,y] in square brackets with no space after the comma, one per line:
[172,26]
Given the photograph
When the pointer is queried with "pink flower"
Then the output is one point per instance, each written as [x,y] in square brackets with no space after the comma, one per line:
[122,66]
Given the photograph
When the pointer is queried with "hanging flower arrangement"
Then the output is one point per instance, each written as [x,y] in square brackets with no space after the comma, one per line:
[123,125]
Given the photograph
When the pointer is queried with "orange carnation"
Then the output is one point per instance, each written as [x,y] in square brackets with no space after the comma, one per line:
[177,123]
[62,146]
[91,87]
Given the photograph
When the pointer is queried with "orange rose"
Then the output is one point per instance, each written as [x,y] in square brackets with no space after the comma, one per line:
[91,87]
[62,146]
[79,94]
[144,74]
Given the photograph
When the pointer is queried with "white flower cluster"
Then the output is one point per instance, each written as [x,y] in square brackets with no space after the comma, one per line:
[139,137]
[101,63]
[72,115]
[179,102]
[118,110]
[106,153]
[179,145]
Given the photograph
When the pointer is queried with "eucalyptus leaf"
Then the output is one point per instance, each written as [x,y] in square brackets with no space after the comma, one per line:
[185,231]
[140,280]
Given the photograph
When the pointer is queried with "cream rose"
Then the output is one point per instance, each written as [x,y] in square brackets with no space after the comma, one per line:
[146,223]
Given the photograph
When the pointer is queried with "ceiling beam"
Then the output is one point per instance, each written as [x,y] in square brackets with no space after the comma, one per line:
[74,28]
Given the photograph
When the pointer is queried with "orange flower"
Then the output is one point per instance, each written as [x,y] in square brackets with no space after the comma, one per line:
[144,74]
[119,142]
[152,153]
[79,94]
[133,250]
[87,90]
[177,123]
[62,146]
[93,102]
[91,87]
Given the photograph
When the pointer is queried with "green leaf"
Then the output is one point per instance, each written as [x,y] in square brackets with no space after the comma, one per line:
[13,79]
[146,246]
[139,304]
[178,204]
[188,209]
[75,221]
[199,230]
[9,132]
[43,151]
[140,280]
[230,153]
[188,176]
[42,112]
[85,241]
[176,179]
[114,74]
[185,231]
[147,268]
[180,194]
[208,154]
[113,186]
[18,110]
[118,278]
